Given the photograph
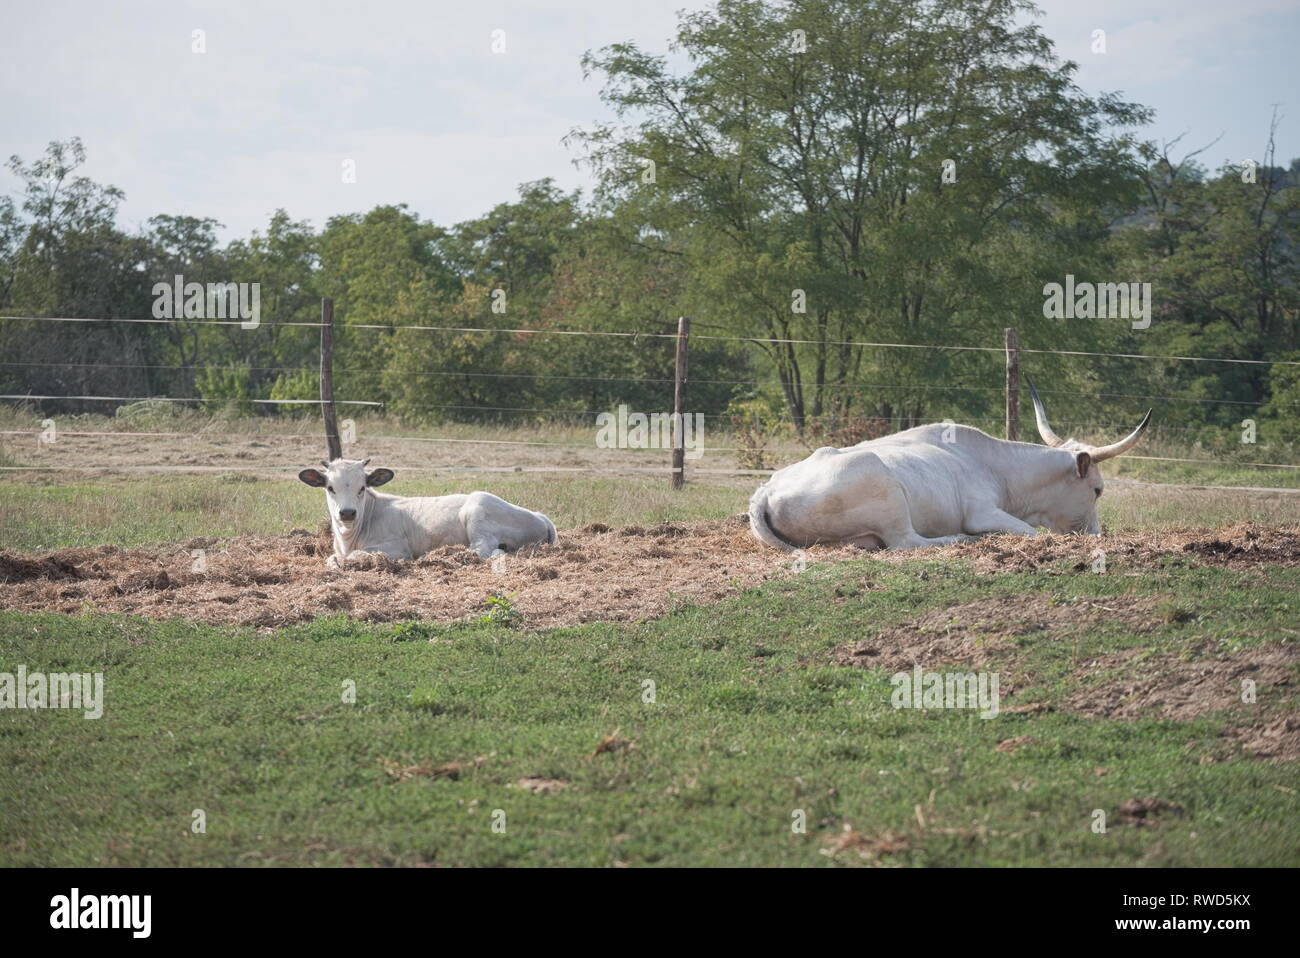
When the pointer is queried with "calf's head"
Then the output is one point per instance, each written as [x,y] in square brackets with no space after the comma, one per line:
[1072,503]
[347,488]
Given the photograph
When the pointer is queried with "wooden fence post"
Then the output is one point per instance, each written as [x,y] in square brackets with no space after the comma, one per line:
[1012,342]
[327,378]
[679,405]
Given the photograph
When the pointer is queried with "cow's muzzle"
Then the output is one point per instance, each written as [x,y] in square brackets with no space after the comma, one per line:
[347,515]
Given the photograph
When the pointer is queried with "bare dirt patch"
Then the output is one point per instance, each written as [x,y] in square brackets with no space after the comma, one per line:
[1147,812]
[974,633]
[599,573]
[1125,685]
[1134,683]
[1273,741]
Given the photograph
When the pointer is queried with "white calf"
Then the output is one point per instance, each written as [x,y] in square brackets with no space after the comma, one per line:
[365,521]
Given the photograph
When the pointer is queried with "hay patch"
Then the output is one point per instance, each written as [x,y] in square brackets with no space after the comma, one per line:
[592,574]
[1236,545]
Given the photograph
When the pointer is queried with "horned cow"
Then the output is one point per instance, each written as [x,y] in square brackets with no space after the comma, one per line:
[935,485]
[404,527]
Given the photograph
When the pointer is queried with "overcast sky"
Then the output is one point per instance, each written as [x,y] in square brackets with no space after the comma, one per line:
[412,91]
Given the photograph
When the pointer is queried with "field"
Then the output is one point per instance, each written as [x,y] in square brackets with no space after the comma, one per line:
[656,689]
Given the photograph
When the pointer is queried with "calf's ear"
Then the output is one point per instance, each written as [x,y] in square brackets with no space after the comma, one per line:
[379,477]
[312,477]
[1082,463]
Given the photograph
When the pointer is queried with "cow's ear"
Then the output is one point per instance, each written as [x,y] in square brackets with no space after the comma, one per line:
[1082,463]
[312,477]
[379,477]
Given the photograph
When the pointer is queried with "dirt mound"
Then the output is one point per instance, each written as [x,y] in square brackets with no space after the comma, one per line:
[974,633]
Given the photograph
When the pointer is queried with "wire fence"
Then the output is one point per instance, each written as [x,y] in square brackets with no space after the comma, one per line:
[35,433]
[564,413]
[634,335]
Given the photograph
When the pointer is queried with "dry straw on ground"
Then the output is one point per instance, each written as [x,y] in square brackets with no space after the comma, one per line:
[592,574]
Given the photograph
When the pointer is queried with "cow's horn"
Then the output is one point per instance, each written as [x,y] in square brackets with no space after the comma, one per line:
[1040,414]
[1125,444]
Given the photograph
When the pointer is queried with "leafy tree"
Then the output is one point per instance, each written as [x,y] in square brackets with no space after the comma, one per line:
[368,264]
[805,148]
[1284,403]
[63,256]
[1223,255]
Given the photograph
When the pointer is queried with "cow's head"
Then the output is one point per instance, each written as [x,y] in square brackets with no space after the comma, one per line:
[347,486]
[1073,503]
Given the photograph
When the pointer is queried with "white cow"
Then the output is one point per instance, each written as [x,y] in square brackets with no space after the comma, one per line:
[934,485]
[365,521]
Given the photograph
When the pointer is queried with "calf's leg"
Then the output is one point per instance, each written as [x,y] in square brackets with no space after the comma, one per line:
[391,550]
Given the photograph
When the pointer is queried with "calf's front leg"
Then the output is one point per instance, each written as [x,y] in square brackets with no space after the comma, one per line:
[390,550]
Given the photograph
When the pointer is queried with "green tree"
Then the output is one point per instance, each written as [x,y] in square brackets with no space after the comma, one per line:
[805,148]
[371,264]
[1223,255]
[64,256]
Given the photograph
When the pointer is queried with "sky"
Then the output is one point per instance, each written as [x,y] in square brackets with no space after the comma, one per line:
[413,93]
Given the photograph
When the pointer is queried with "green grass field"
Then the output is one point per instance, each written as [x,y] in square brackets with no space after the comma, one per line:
[750,723]
[165,508]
